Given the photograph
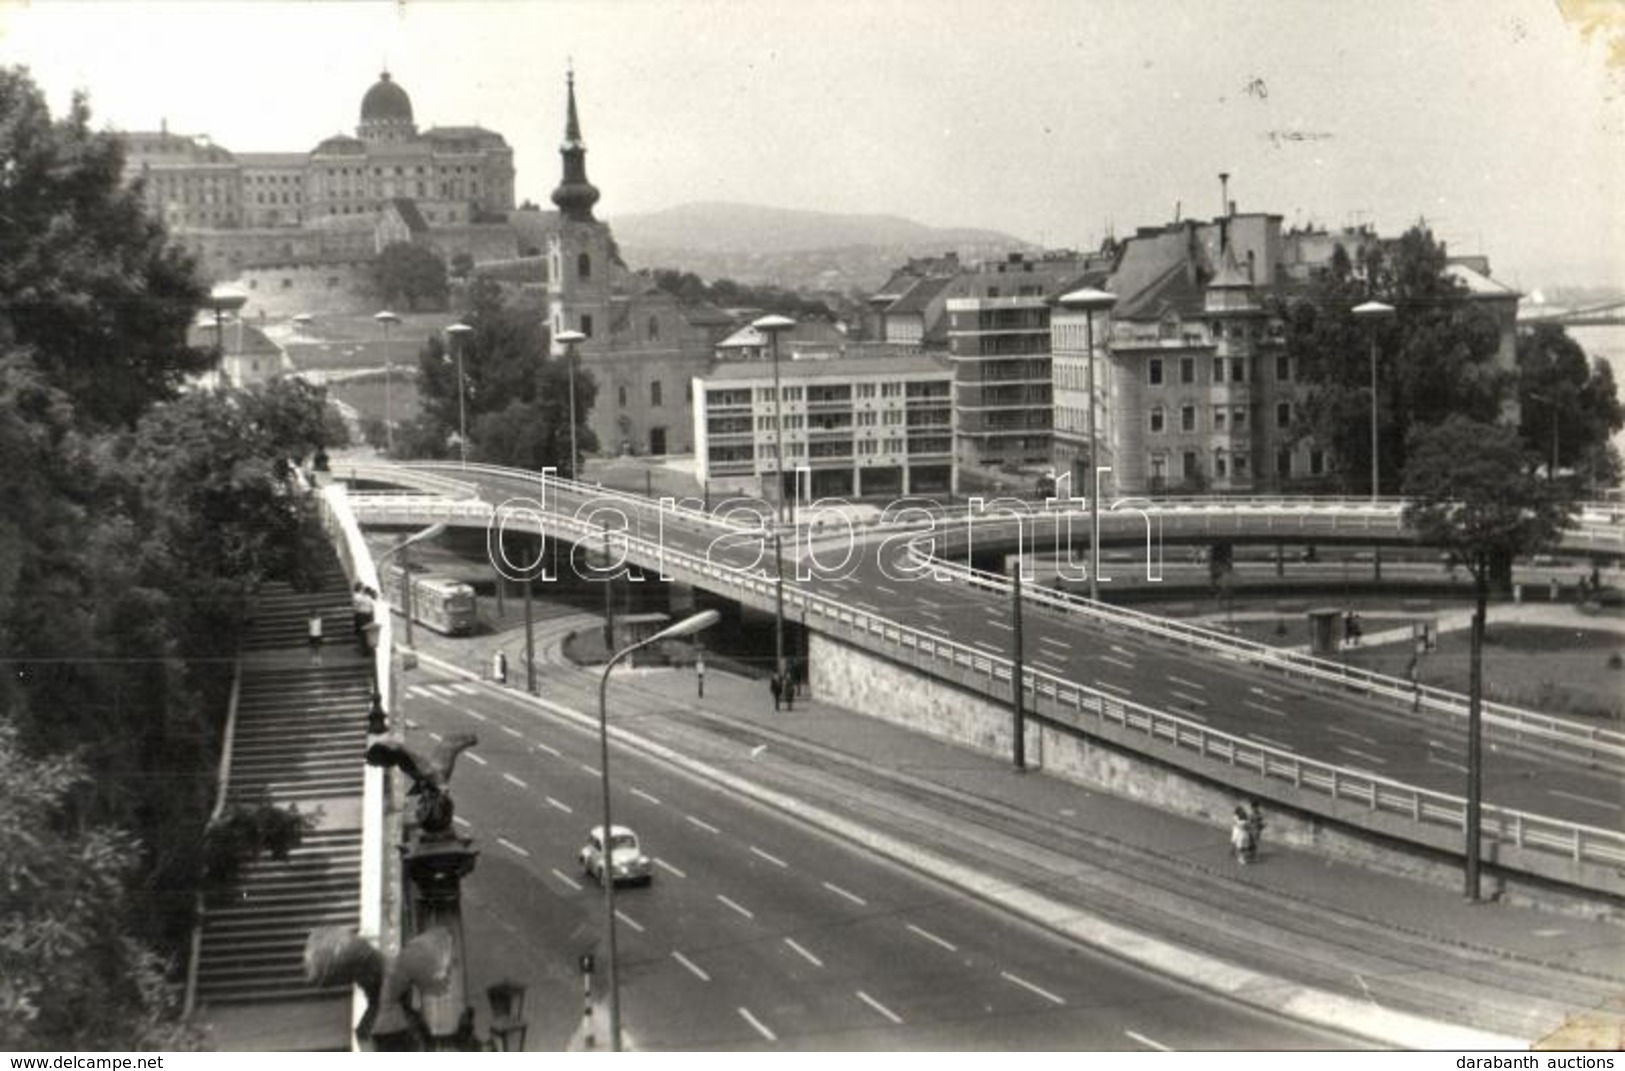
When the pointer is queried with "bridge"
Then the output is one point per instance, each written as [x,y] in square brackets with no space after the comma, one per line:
[1207,706]
[1609,315]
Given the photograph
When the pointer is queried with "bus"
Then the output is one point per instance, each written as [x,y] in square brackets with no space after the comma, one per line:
[438,602]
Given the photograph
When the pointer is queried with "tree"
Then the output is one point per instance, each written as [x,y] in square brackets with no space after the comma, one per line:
[91,288]
[1435,357]
[1569,408]
[1472,491]
[410,273]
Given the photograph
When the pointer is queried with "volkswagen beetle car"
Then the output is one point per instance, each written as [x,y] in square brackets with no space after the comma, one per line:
[627,863]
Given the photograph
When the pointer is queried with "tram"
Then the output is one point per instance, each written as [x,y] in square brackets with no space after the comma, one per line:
[438,602]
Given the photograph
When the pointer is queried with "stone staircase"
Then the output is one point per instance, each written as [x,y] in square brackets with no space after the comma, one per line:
[299,740]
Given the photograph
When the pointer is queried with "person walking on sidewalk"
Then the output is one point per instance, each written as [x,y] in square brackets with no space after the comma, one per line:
[1239,835]
[313,635]
[775,685]
[499,667]
[1255,829]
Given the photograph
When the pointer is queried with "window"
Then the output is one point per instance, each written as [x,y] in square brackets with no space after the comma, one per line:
[1238,370]
[1283,462]
[891,390]
[1218,328]
[1283,414]
[1238,418]
[1218,417]
[1317,463]
[620,396]
[688,391]
[1219,468]
[584,267]
[654,393]
[586,325]
[1190,466]
[1154,371]
[1240,462]
[1283,369]
[1218,369]
[654,327]
[1187,369]
[1156,419]
[866,390]
[1187,418]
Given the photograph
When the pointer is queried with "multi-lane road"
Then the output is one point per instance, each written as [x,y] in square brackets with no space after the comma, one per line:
[759,932]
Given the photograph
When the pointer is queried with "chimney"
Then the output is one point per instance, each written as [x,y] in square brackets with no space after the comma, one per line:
[1224,191]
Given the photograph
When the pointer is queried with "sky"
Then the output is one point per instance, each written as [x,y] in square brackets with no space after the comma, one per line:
[1499,122]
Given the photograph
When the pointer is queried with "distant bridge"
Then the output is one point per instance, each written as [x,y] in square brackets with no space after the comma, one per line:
[1610,315]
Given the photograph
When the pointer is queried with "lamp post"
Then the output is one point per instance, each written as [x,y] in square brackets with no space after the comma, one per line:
[686,627]
[385,320]
[772,326]
[569,339]
[458,333]
[1374,312]
[1090,301]
[223,299]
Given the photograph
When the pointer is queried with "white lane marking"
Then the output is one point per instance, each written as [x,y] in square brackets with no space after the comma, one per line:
[663,865]
[1186,683]
[512,780]
[854,897]
[879,1007]
[567,879]
[436,737]
[476,715]
[1362,755]
[593,770]
[1001,624]
[1583,799]
[512,847]
[555,752]
[757,1023]
[628,920]
[884,588]
[1350,734]
[476,759]
[512,731]
[1271,743]
[932,614]
[1062,644]
[464,689]
[1125,652]
[803,953]
[1265,692]
[1447,764]
[460,820]
[707,826]
[1548,933]
[775,860]
[745,911]
[1118,688]
[693,968]
[565,807]
[1023,983]
[644,795]
[1192,699]
[1117,662]
[933,938]
[938,628]
[1147,1042]
[416,691]
[1193,715]
[1266,709]
[988,647]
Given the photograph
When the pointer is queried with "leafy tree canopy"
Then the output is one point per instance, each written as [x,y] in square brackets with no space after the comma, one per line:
[1435,357]
[1568,405]
[691,289]
[408,273]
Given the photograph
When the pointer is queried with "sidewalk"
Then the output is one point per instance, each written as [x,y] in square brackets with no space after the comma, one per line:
[1352,948]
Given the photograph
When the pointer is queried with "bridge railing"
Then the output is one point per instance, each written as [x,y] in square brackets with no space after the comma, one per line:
[1602,747]
[384,472]
[1575,842]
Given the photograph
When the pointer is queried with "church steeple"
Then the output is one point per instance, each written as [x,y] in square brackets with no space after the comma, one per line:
[574,195]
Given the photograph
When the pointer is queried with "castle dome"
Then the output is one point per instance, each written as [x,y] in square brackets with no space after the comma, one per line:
[386,102]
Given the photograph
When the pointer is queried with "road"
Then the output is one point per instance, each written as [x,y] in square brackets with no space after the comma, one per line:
[758,932]
[1313,720]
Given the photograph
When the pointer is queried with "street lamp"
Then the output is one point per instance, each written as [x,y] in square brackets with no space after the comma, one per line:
[406,570]
[458,333]
[223,299]
[772,326]
[508,1023]
[569,340]
[686,627]
[385,319]
[1090,301]
[1374,312]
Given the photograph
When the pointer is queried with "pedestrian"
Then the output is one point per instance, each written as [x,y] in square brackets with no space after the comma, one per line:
[1354,629]
[361,605]
[1348,628]
[1238,835]
[699,674]
[1556,588]
[776,686]
[1255,829]
[499,667]
[790,690]
[313,635]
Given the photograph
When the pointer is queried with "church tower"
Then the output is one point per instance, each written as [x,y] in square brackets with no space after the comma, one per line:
[582,262]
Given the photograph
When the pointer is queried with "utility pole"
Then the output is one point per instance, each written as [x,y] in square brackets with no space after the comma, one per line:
[530,645]
[1017,672]
[609,597]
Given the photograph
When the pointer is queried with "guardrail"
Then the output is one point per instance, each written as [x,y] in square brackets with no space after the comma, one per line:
[1575,842]
[356,558]
[1603,747]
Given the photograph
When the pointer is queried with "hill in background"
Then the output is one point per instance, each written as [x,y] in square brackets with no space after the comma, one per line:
[793,248]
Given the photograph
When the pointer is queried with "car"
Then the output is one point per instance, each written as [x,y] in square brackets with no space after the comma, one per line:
[628,863]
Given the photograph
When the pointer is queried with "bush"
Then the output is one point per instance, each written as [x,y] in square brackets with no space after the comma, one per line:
[243,833]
